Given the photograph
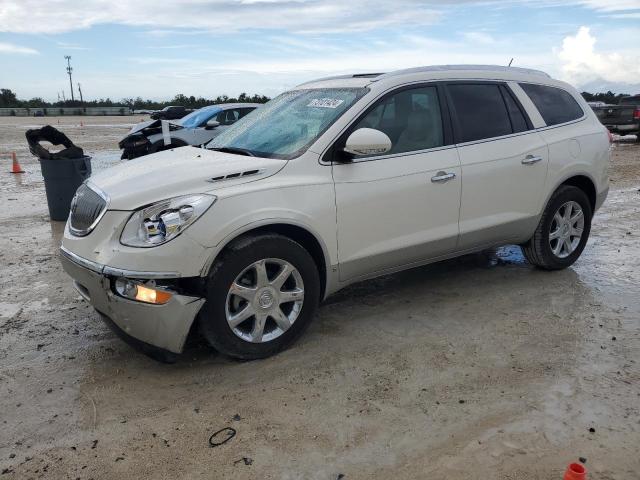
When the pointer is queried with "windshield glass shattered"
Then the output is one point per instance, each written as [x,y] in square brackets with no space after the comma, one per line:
[287,125]
[197,118]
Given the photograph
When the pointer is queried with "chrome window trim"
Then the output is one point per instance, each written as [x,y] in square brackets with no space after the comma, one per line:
[107,200]
[117,272]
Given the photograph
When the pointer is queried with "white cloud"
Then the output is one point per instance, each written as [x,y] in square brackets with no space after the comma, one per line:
[582,63]
[34,16]
[17,49]
[479,37]
[172,17]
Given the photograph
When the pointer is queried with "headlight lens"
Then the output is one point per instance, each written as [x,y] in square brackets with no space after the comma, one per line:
[165,220]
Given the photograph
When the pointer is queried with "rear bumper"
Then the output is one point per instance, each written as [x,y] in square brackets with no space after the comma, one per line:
[162,326]
[624,129]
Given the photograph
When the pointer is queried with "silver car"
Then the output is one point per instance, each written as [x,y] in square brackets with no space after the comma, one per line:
[196,128]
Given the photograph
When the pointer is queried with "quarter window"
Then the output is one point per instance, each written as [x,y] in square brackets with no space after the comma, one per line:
[554,104]
[480,111]
[411,119]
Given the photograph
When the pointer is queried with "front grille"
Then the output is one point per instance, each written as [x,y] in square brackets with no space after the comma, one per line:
[86,209]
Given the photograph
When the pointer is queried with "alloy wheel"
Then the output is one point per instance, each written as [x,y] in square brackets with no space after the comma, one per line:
[264,300]
[566,229]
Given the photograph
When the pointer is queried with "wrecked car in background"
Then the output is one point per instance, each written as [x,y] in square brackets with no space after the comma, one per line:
[196,128]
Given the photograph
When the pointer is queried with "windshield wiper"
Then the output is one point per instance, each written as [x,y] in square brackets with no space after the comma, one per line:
[236,150]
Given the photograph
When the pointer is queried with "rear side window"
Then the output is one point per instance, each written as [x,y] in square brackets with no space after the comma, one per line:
[480,111]
[554,104]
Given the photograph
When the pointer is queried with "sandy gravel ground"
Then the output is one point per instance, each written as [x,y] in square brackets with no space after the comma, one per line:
[476,368]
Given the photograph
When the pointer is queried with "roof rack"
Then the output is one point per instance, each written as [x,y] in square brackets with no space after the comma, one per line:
[482,68]
[341,77]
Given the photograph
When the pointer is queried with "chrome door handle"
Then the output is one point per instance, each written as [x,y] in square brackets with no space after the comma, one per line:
[530,160]
[443,177]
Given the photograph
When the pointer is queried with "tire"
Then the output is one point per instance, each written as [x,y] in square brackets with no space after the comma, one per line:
[538,250]
[239,263]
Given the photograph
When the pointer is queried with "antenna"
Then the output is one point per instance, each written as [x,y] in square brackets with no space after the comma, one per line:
[510,62]
[69,70]
[80,90]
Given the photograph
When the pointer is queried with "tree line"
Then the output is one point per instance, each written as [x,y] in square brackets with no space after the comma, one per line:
[8,99]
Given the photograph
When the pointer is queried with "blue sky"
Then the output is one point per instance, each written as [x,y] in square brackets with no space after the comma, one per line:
[156,49]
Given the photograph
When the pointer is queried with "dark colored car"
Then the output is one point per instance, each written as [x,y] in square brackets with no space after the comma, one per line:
[624,118]
[173,112]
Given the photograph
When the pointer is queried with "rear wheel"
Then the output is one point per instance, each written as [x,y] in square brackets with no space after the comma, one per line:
[563,230]
[261,295]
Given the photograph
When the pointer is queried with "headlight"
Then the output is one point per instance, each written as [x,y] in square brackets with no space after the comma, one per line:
[165,220]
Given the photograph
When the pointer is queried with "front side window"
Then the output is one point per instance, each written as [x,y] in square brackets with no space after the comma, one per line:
[554,104]
[199,117]
[228,117]
[480,111]
[411,119]
[287,125]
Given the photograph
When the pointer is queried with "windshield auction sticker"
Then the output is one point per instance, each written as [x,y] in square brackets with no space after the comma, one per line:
[325,102]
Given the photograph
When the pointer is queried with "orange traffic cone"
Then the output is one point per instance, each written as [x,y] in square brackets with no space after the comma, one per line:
[575,471]
[16,168]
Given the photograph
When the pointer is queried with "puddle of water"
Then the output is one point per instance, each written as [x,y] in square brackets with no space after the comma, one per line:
[8,310]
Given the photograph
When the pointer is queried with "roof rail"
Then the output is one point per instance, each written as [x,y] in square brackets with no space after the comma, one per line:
[340,77]
[482,68]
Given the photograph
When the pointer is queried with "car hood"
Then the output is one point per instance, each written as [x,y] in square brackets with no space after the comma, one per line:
[180,171]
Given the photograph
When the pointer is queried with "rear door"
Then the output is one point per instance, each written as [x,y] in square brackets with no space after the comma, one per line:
[401,207]
[503,160]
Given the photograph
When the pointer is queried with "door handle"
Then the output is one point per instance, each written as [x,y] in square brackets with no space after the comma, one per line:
[443,177]
[531,159]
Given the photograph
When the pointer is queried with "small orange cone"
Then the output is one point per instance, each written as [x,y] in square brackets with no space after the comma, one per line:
[575,471]
[16,168]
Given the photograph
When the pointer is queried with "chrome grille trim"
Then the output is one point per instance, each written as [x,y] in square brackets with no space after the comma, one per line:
[87,209]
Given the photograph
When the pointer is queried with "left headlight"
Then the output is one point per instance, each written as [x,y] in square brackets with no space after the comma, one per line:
[158,223]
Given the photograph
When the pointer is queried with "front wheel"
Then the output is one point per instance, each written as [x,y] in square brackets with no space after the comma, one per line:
[563,230]
[261,295]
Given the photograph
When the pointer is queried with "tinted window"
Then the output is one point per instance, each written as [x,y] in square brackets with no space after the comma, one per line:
[518,122]
[554,104]
[480,111]
[411,118]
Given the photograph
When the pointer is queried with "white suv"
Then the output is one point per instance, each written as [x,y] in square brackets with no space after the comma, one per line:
[335,181]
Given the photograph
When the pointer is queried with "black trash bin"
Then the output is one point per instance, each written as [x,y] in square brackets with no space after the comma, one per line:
[62,177]
[63,171]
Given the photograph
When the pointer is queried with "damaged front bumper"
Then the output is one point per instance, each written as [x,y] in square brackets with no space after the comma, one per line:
[163,326]
[134,146]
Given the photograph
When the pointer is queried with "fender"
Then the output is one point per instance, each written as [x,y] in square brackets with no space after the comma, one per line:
[331,271]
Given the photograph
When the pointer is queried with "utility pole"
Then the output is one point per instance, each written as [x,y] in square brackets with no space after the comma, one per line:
[80,90]
[69,70]
[63,97]
[58,96]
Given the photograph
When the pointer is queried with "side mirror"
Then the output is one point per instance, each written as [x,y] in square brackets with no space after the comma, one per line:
[367,141]
[211,124]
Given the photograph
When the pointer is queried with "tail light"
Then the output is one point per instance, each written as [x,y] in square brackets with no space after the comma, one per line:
[636,114]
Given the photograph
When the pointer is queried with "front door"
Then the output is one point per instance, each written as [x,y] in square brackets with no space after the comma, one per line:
[401,207]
